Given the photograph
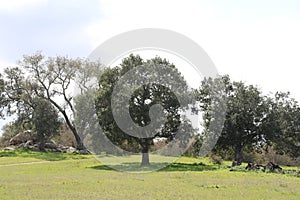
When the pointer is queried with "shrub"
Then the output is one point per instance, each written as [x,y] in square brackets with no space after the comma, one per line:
[66,137]
[215,159]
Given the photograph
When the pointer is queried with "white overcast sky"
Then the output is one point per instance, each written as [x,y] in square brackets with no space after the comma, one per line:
[256,41]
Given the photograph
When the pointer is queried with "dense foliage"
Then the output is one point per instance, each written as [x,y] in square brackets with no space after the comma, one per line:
[37,93]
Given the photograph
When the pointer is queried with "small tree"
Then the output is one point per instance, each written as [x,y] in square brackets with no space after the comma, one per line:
[45,120]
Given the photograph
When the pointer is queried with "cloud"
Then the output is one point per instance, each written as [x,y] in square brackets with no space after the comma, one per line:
[55,29]
[255,41]
[17,5]
[120,16]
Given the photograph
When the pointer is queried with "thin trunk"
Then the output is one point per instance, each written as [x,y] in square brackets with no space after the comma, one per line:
[80,145]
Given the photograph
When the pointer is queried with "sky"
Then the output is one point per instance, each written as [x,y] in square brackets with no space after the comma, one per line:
[254,41]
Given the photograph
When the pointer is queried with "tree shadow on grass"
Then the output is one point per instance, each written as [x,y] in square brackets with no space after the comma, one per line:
[189,167]
[8,154]
[166,167]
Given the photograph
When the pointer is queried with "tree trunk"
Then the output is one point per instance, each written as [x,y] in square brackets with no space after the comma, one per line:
[145,159]
[41,139]
[80,145]
[238,155]
[145,152]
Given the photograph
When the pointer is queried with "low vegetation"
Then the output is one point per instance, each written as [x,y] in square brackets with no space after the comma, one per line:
[40,175]
[253,122]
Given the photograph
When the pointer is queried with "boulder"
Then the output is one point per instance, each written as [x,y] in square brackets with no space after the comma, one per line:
[71,150]
[253,166]
[28,144]
[11,148]
[84,151]
[272,166]
[61,148]
[50,145]
[22,137]
[34,148]
[235,163]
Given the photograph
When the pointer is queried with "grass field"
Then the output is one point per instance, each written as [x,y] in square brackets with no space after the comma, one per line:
[33,175]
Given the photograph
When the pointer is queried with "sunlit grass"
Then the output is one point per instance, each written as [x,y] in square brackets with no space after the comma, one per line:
[188,178]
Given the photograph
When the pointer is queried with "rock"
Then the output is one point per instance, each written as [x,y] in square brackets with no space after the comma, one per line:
[71,150]
[22,137]
[34,148]
[271,166]
[27,144]
[235,163]
[20,145]
[61,148]
[50,145]
[253,166]
[84,151]
[11,148]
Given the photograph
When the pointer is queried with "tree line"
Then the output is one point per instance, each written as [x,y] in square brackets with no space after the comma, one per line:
[253,121]
[37,92]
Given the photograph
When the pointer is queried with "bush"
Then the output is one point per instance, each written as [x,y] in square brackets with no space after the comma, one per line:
[272,156]
[65,137]
[215,159]
[250,157]
[9,131]
[194,148]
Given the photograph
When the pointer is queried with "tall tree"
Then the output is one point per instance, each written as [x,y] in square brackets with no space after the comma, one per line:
[18,96]
[212,100]
[246,111]
[50,79]
[2,96]
[139,105]
[284,122]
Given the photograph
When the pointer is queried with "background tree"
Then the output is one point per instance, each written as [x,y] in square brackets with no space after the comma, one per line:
[246,111]
[9,131]
[212,100]
[2,96]
[45,120]
[284,122]
[87,122]
[139,105]
[18,94]
[85,117]
[50,79]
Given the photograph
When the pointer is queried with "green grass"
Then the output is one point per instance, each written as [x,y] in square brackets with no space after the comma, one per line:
[83,177]
[20,156]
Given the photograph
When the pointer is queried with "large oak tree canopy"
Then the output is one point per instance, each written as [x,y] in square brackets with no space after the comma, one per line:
[252,120]
[139,102]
